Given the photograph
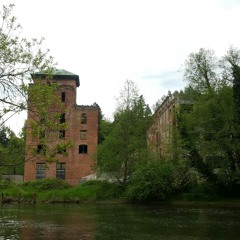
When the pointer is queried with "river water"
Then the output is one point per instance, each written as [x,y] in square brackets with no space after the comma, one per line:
[117,222]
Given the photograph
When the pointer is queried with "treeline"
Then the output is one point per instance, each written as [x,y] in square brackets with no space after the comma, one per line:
[12,151]
[203,156]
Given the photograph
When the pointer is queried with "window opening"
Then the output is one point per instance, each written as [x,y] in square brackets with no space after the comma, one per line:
[83,134]
[61,170]
[83,118]
[41,148]
[83,148]
[40,171]
[62,118]
[62,134]
[63,96]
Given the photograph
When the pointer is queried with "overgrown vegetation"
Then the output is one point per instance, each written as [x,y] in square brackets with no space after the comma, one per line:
[12,152]
[56,190]
[202,159]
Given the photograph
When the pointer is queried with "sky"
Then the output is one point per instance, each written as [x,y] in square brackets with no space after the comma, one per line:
[106,42]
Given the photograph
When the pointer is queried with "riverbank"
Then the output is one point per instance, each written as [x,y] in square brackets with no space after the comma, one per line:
[58,191]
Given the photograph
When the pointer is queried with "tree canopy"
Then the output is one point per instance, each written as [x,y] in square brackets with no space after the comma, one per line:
[125,146]
[211,130]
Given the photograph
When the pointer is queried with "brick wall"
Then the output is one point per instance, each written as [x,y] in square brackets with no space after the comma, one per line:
[78,165]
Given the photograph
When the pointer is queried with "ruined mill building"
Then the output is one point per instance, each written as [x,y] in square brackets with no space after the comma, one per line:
[82,130]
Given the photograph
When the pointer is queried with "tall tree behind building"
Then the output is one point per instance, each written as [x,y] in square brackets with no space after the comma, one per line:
[125,146]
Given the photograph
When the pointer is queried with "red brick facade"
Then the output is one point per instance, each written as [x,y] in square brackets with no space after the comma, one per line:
[82,130]
[160,133]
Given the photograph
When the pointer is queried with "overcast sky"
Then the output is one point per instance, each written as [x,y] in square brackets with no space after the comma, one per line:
[106,42]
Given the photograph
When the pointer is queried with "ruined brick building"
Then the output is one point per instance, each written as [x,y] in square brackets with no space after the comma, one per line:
[82,130]
[160,133]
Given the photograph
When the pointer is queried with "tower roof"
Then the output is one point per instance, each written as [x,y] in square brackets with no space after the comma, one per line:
[58,74]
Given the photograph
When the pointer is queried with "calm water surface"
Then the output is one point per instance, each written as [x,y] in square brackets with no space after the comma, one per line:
[117,222]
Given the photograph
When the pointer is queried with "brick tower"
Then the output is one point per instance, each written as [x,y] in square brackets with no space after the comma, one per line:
[82,130]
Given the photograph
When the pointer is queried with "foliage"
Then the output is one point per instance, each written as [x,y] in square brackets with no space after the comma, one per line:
[127,96]
[54,190]
[125,146]
[5,135]
[47,184]
[12,152]
[200,70]
[103,125]
[46,119]
[202,192]
[210,131]
[151,183]
[102,190]
[104,130]
[19,58]
[4,184]
[161,180]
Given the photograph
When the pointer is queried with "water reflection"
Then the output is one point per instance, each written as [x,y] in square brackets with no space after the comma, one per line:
[117,222]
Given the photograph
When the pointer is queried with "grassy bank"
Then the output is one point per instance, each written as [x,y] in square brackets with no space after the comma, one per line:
[54,190]
[59,191]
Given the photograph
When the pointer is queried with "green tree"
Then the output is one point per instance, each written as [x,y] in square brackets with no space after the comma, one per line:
[5,133]
[19,58]
[104,130]
[101,124]
[125,147]
[211,129]
[200,70]
[12,152]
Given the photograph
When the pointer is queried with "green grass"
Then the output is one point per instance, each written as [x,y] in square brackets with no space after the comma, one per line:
[55,190]
[59,191]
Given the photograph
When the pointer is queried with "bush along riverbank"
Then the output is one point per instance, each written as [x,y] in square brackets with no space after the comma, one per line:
[59,191]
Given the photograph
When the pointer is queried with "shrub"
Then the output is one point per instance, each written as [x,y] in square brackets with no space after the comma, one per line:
[202,192]
[4,184]
[152,182]
[101,190]
[48,184]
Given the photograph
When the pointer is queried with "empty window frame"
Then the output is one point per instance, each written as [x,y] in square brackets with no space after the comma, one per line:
[83,134]
[62,118]
[83,148]
[83,118]
[62,134]
[63,96]
[40,171]
[41,149]
[61,170]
